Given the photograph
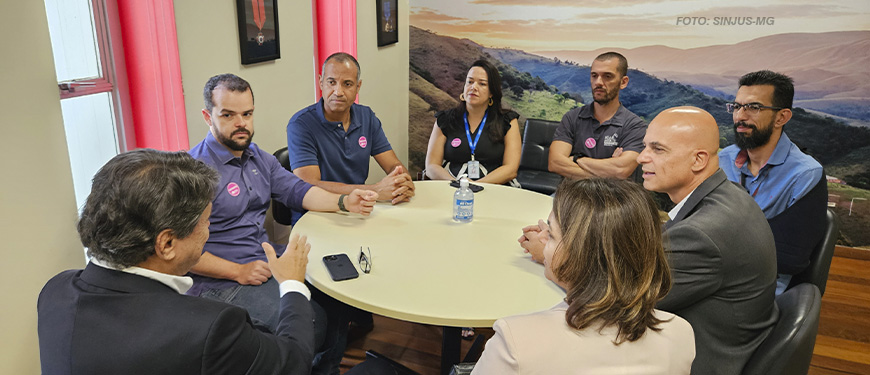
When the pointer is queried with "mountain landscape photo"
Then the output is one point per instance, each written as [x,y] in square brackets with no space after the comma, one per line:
[830,69]
[548,84]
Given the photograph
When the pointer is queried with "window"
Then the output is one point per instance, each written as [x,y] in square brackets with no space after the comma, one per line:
[84,65]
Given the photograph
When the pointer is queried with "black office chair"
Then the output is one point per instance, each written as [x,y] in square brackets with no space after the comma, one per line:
[281,213]
[533,173]
[820,260]
[789,348]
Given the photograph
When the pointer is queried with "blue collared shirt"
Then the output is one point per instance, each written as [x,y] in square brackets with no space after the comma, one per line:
[247,185]
[343,156]
[788,175]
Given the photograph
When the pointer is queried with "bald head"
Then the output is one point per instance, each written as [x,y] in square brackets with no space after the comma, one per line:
[681,151]
[696,127]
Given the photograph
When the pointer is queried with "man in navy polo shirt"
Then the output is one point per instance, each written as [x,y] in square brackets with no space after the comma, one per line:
[330,141]
[788,185]
[233,266]
[602,139]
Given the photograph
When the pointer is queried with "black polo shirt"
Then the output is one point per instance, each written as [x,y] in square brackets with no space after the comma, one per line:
[593,139]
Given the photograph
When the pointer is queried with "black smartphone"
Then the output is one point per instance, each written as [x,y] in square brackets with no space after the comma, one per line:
[339,267]
[474,188]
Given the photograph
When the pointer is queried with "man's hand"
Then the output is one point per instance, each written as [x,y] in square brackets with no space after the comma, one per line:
[361,201]
[617,152]
[254,273]
[396,187]
[534,239]
[292,264]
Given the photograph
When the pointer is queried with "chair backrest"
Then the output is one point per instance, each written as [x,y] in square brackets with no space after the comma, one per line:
[281,213]
[283,156]
[536,143]
[820,260]
[789,347]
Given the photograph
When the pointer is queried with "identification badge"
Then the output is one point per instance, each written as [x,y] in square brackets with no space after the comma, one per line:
[473,169]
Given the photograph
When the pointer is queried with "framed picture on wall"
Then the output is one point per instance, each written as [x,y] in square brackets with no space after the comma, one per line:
[258,30]
[388,21]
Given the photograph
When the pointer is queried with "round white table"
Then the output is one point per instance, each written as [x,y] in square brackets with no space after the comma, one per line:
[428,269]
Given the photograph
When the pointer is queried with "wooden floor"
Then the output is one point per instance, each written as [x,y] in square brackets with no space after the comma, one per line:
[842,345]
[843,342]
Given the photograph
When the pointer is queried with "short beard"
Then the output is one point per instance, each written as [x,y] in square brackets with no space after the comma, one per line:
[758,137]
[608,96]
[233,145]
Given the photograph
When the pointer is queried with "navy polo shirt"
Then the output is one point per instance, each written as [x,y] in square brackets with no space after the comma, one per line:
[342,156]
[598,140]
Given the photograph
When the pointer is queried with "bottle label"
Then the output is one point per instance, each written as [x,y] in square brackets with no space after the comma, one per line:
[465,209]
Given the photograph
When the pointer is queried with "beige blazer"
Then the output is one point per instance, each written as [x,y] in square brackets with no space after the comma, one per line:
[543,343]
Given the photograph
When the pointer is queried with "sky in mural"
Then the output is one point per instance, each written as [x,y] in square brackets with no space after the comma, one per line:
[582,24]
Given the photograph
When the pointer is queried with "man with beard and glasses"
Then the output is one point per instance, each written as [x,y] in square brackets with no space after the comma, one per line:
[787,184]
[598,140]
[233,267]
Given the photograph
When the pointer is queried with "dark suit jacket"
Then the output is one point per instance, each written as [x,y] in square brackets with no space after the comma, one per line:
[723,261]
[102,321]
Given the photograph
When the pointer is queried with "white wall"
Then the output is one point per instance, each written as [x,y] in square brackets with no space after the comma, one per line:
[208,44]
[385,78]
[37,203]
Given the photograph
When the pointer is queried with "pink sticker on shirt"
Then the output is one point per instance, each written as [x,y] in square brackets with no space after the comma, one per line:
[456,142]
[363,142]
[233,189]
[590,142]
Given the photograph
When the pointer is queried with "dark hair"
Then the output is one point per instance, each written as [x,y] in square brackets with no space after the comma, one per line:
[621,66]
[495,112]
[783,86]
[138,194]
[229,81]
[342,57]
[611,255]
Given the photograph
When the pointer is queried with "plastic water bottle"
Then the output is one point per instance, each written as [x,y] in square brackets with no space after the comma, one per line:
[463,202]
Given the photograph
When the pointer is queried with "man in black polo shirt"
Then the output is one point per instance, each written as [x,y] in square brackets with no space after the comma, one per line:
[598,140]
[602,139]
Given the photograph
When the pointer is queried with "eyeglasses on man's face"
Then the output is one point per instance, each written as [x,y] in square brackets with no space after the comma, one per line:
[750,108]
[365,259]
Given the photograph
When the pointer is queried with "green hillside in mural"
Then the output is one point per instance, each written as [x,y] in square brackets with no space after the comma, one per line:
[540,87]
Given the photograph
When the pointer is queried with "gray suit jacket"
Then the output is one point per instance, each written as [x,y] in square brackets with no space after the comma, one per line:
[102,321]
[723,261]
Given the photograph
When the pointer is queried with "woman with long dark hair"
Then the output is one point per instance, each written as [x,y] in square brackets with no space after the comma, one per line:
[458,144]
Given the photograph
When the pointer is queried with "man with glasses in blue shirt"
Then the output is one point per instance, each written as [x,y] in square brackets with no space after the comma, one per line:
[787,184]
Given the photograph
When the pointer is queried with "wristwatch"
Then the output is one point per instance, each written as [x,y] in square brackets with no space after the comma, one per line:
[341,203]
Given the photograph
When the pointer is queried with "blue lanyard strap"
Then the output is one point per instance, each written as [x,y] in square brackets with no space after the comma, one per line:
[473,144]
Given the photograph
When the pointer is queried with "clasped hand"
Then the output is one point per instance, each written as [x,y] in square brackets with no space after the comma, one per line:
[396,187]
[534,239]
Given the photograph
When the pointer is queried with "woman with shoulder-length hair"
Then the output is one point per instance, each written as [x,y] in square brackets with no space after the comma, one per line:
[605,250]
[458,145]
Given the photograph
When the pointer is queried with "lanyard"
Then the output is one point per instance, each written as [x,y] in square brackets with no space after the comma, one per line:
[473,144]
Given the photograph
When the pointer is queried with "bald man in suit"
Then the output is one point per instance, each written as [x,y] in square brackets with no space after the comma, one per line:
[720,247]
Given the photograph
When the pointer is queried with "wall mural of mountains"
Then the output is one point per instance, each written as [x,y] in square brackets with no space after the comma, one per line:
[831,69]
[548,84]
